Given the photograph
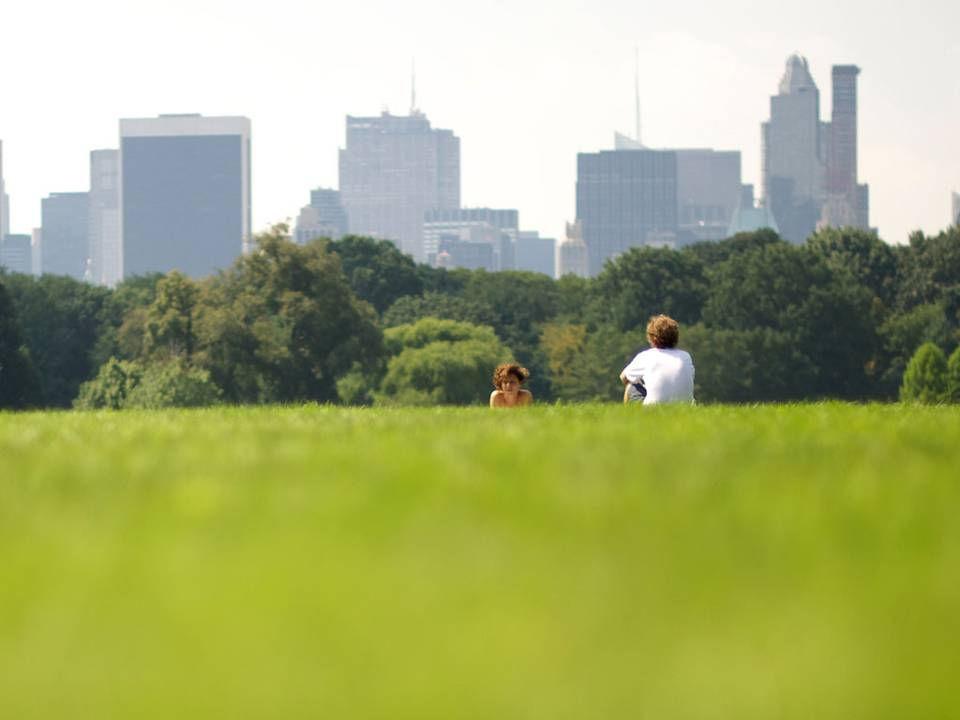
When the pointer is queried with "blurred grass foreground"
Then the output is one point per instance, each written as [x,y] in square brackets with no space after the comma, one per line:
[564,562]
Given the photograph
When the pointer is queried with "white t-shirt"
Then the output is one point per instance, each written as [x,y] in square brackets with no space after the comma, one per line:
[667,374]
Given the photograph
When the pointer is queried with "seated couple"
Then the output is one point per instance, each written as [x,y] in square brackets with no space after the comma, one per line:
[662,374]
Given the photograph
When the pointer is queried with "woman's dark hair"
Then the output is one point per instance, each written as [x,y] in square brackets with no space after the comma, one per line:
[505,369]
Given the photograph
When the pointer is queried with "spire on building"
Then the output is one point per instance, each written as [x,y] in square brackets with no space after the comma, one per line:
[796,76]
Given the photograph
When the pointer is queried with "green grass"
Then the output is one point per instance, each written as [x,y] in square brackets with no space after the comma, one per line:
[564,562]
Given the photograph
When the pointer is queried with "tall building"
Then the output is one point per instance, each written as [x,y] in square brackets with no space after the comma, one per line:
[395,169]
[64,220]
[15,254]
[323,217]
[36,251]
[955,215]
[535,253]
[625,199]
[793,154]
[572,255]
[4,201]
[846,202]
[106,253]
[810,166]
[709,191]
[184,193]
[496,226]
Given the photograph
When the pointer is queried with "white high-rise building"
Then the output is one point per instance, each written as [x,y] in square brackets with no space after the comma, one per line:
[956,209]
[106,253]
[572,257]
[393,171]
[184,193]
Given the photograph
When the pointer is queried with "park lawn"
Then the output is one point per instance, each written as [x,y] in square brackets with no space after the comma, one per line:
[794,561]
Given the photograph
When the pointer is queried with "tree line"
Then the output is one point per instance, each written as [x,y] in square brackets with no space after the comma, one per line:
[355,321]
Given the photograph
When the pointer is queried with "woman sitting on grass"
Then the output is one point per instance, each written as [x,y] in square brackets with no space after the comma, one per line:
[507,379]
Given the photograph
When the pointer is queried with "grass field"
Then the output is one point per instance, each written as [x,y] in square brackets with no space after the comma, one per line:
[564,562]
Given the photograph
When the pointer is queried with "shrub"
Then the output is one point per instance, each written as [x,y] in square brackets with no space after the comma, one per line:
[925,379]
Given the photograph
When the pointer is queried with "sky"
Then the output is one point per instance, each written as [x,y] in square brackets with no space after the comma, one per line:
[525,85]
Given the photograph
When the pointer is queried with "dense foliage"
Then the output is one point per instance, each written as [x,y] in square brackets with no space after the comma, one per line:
[840,316]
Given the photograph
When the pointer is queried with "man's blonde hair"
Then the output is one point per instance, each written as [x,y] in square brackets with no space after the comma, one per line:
[663,331]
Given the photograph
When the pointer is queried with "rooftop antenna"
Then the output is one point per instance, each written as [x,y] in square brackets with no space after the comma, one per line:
[636,88]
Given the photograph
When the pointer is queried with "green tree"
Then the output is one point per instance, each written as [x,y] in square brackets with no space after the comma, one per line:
[61,319]
[953,377]
[169,325]
[790,290]
[752,365]
[282,324]
[377,271]
[173,383]
[871,261]
[710,252]
[18,379]
[929,269]
[585,365]
[440,362]
[903,332]
[521,303]
[110,388]
[411,308]
[648,281]
[123,319]
[925,379]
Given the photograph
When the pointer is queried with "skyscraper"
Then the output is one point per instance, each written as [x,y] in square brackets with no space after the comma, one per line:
[956,208]
[106,258]
[323,217]
[809,166]
[625,199]
[496,226]
[793,155]
[65,249]
[709,191]
[572,255]
[184,193]
[393,170]
[15,254]
[535,253]
[846,202]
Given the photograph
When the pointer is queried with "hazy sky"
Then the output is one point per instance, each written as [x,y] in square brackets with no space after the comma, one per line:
[525,85]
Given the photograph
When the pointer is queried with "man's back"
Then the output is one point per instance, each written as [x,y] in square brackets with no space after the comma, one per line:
[666,373]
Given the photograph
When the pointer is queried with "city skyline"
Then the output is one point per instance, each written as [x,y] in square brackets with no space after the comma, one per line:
[549,88]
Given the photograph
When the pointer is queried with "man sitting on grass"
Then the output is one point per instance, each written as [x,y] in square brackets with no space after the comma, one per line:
[663,373]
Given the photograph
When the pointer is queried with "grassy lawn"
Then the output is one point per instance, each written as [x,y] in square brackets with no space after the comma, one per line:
[563,562]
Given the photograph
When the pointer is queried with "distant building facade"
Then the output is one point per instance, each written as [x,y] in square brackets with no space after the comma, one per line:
[498,227]
[184,193]
[66,244]
[535,253]
[36,250]
[709,191]
[323,217]
[393,170]
[16,254]
[955,215]
[809,166]
[572,256]
[106,253]
[626,199]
